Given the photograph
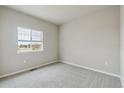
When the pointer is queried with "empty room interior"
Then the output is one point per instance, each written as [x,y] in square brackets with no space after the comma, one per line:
[61,46]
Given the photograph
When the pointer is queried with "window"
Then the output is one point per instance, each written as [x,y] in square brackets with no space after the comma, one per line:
[29,40]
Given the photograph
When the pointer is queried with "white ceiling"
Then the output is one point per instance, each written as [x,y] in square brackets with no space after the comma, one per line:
[58,14]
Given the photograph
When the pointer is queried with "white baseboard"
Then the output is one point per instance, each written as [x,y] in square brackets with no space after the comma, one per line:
[122,82]
[96,70]
[27,69]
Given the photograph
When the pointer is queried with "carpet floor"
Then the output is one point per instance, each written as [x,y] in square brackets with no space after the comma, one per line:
[60,75]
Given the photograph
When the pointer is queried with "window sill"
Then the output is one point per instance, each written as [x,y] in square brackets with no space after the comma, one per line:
[28,51]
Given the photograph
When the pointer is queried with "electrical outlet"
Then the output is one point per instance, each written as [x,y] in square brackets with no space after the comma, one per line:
[24,61]
[106,63]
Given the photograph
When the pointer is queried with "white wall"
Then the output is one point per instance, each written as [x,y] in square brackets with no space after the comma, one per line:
[122,44]
[10,61]
[93,41]
[0,48]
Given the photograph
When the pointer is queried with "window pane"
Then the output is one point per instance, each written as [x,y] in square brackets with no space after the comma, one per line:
[24,34]
[24,46]
[37,46]
[37,36]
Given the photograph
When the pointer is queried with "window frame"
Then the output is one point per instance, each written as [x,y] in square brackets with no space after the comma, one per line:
[40,41]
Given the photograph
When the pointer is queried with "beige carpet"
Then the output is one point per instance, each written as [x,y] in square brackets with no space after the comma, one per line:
[60,75]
